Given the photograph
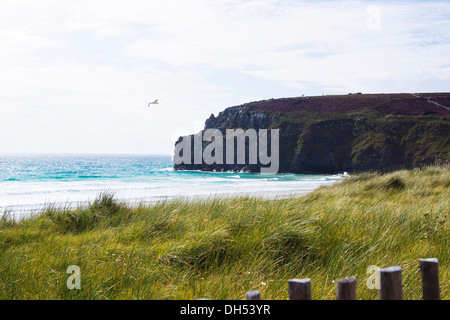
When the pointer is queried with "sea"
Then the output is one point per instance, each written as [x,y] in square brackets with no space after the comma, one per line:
[30,183]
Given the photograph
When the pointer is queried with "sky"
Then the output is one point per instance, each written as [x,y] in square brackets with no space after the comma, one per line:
[76,76]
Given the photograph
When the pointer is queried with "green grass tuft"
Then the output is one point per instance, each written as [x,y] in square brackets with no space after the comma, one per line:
[395,183]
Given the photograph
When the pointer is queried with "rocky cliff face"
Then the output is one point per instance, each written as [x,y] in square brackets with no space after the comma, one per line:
[241,117]
[333,134]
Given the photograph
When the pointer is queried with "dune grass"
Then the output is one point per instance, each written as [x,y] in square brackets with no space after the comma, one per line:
[220,248]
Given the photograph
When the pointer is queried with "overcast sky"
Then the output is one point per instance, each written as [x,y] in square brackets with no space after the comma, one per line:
[76,76]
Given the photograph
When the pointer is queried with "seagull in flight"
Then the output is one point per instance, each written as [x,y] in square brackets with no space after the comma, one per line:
[154,102]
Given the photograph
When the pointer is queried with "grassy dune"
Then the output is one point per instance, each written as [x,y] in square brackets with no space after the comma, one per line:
[222,248]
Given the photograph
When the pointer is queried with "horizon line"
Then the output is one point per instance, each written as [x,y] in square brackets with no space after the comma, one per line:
[83,153]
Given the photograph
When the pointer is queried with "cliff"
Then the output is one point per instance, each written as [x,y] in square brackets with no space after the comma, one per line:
[333,134]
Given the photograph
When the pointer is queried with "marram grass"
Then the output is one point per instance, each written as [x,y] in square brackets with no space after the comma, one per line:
[220,248]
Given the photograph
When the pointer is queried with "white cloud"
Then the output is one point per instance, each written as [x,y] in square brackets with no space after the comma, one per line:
[77,76]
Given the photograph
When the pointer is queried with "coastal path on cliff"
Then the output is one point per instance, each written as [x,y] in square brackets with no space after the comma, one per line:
[431,101]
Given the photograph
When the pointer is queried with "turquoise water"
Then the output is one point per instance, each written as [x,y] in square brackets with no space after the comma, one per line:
[32,182]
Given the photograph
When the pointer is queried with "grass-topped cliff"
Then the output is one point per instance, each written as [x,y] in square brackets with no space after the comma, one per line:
[221,248]
[357,132]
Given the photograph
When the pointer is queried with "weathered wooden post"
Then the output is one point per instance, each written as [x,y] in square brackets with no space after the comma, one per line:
[391,283]
[346,289]
[429,269]
[253,295]
[299,289]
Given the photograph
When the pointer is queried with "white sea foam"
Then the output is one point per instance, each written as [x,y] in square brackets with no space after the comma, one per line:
[32,184]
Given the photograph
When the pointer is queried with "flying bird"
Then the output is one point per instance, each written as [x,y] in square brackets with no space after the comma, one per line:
[154,102]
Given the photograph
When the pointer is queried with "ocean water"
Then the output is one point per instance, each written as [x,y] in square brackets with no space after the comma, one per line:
[29,183]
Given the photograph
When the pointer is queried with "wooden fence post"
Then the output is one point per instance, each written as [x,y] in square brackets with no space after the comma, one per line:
[253,295]
[346,289]
[391,283]
[299,289]
[429,269]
